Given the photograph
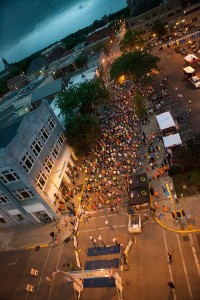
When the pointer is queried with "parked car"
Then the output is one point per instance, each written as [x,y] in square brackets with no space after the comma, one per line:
[183,51]
[177,49]
[195,80]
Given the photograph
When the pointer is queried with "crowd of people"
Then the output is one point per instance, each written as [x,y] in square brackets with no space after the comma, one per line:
[123,149]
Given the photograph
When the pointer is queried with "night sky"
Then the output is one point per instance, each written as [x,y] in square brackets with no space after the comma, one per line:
[30,25]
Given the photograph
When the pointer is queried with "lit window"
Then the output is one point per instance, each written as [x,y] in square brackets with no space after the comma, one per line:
[27,162]
[41,180]
[23,194]
[61,139]
[44,134]
[4,199]
[48,163]
[51,123]
[36,147]
[8,176]
[55,150]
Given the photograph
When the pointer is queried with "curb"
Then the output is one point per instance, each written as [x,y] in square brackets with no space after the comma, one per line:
[174,230]
[41,246]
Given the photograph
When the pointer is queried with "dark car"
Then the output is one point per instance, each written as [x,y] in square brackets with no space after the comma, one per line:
[183,51]
[177,49]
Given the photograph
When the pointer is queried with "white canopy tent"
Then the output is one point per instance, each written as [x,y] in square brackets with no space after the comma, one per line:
[172,140]
[165,120]
[191,58]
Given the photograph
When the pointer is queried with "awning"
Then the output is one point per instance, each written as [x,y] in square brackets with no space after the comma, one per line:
[14,212]
[172,140]
[34,208]
[165,120]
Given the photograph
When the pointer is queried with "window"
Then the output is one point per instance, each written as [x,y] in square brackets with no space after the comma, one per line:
[8,176]
[23,194]
[2,221]
[61,139]
[48,163]
[41,180]
[27,162]
[18,217]
[51,123]
[44,134]
[4,199]
[36,147]
[55,151]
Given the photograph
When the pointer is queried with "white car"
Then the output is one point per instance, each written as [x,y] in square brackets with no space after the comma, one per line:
[195,80]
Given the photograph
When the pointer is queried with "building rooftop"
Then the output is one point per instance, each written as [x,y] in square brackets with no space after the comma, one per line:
[47,90]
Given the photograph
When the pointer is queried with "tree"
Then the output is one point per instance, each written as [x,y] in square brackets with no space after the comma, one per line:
[134,65]
[159,28]
[131,40]
[188,158]
[81,61]
[83,98]
[81,132]
[140,108]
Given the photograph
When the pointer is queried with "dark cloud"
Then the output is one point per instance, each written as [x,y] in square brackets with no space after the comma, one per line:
[19,18]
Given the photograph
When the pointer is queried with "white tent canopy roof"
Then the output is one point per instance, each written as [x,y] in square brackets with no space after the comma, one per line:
[165,120]
[191,57]
[172,140]
[189,69]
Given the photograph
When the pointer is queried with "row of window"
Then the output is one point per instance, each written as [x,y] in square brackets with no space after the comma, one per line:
[21,194]
[28,161]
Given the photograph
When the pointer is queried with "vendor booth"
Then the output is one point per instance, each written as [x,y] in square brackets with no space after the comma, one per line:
[188,72]
[191,58]
[138,190]
[166,123]
[172,140]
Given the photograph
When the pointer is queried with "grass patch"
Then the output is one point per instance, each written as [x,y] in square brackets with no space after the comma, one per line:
[187,184]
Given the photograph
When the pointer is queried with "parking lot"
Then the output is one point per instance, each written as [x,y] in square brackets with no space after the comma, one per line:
[172,64]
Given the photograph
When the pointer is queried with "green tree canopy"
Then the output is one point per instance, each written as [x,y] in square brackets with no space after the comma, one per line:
[83,97]
[81,61]
[82,131]
[140,108]
[131,40]
[159,28]
[134,65]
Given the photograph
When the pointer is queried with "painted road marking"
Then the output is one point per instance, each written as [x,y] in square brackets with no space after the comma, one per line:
[194,252]
[103,228]
[169,266]
[14,263]
[42,273]
[55,274]
[184,266]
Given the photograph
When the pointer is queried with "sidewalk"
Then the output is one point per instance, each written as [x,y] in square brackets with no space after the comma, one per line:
[31,236]
[190,205]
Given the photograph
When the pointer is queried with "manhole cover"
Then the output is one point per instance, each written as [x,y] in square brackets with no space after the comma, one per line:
[186,238]
[37,248]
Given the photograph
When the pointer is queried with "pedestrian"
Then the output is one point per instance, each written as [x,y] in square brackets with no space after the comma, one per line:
[90,237]
[156,205]
[94,242]
[70,265]
[171,187]
[146,218]
[165,208]
[115,241]
[101,240]
[171,285]
[107,223]
[175,198]
[156,194]
[52,234]
[169,257]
